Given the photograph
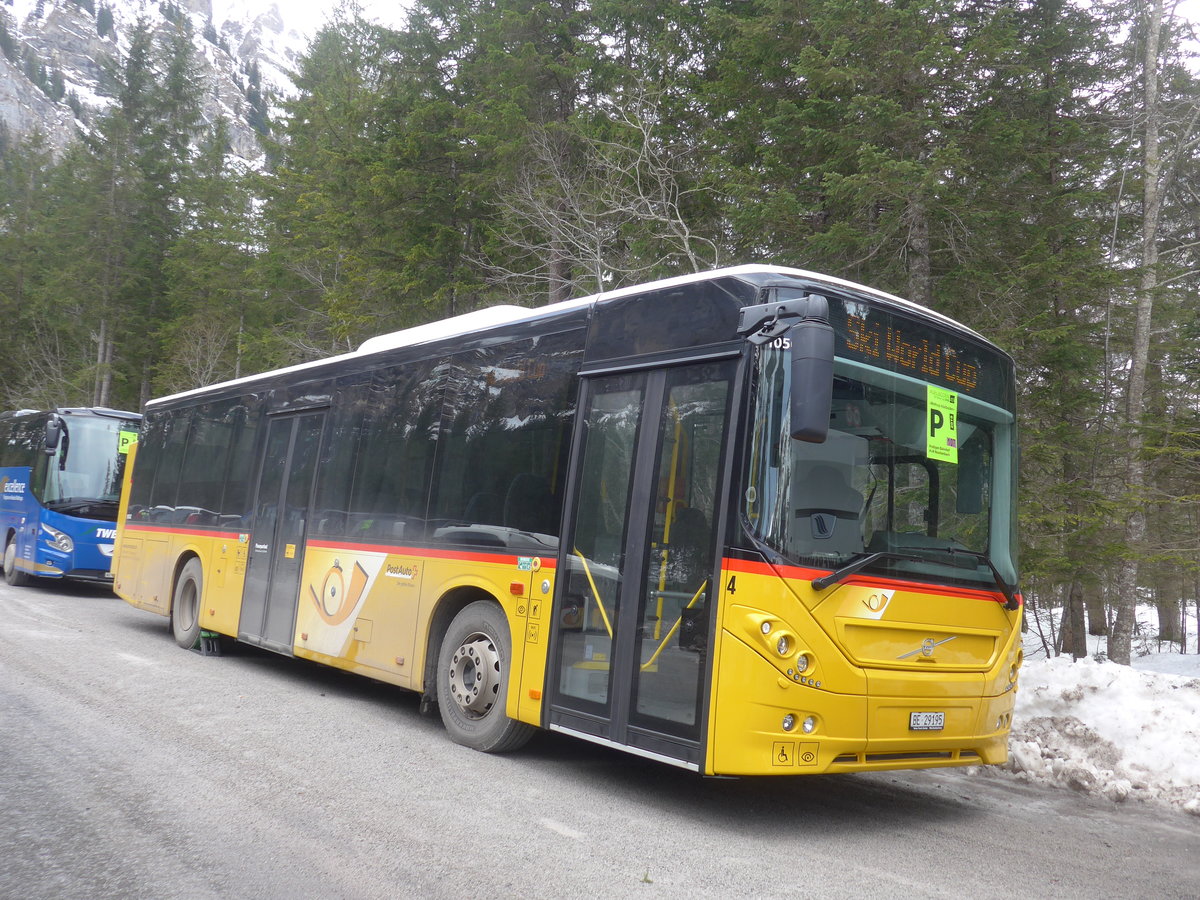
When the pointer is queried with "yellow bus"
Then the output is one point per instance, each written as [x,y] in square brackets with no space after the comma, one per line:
[755,521]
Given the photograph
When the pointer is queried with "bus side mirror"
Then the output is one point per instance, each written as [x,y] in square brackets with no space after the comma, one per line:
[54,430]
[812,372]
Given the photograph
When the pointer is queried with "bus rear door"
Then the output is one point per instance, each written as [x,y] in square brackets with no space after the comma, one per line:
[281,510]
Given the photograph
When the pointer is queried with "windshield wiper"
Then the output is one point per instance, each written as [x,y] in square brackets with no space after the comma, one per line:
[1006,589]
[858,565]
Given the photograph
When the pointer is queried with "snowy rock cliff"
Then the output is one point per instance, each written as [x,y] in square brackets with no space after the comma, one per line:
[55,55]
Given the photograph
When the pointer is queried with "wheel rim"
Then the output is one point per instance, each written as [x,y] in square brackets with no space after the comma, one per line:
[187,605]
[10,557]
[475,675]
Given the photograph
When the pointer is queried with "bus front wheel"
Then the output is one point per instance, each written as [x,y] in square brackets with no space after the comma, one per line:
[185,606]
[12,574]
[472,678]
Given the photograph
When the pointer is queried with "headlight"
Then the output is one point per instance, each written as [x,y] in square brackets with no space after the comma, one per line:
[784,645]
[57,539]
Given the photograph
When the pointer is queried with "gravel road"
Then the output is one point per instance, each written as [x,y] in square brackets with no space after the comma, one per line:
[134,769]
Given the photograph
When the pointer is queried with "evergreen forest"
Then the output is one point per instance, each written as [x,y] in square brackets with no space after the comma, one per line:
[1029,167]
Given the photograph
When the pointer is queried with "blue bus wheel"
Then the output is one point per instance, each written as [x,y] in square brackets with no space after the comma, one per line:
[12,574]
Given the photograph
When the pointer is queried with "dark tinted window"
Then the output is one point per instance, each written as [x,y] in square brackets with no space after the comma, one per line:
[243,419]
[20,436]
[166,479]
[503,451]
[691,315]
[395,458]
[339,455]
[149,452]
[202,475]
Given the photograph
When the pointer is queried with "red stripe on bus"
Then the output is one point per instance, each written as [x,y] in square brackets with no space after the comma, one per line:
[434,553]
[800,573]
[189,532]
[431,552]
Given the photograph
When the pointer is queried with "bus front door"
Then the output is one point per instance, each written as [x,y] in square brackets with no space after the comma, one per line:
[281,509]
[632,614]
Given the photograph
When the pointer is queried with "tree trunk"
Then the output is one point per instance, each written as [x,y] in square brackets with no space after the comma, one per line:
[1120,641]
[920,287]
[1097,620]
[98,381]
[1074,633]
[559,263]
[106,377]
[1168,605]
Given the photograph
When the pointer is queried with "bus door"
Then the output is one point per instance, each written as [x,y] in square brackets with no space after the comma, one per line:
[281,510]
[632,616]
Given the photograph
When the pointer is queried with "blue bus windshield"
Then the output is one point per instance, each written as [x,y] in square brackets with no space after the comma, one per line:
[83,477]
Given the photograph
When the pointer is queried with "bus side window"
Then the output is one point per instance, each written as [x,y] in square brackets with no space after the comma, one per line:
[166,482]
[502,451]
[202,475]
[339,454]
[150,446]
[243,421]
[395,455]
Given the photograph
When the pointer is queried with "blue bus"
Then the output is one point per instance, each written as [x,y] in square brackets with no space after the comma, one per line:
[60,487]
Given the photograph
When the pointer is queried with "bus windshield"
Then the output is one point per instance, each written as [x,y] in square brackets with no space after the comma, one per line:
[874,486]
[83,476]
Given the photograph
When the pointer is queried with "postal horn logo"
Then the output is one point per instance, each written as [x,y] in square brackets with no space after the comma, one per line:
[336,601]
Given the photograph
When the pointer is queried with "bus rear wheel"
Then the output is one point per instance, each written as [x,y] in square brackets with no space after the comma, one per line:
[474,666]
[185,605]
[12,574]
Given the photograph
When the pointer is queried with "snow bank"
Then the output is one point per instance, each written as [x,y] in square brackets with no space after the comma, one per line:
[1118,732]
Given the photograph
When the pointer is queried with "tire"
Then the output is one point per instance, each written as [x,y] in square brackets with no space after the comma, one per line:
[474,666]
[185,605]
[12,574]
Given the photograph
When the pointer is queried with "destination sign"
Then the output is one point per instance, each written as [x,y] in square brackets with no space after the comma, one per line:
[938,356]
[928,356]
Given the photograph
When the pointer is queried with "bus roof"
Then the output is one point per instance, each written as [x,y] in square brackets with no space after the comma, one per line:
[495,316]
[74,411]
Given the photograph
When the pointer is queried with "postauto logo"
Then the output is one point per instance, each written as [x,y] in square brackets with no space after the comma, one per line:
[11,490]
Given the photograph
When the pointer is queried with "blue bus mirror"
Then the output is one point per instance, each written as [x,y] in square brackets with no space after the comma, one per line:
[812,372]
[54,430]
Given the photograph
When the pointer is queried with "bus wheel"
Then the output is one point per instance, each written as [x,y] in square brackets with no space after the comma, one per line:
[12,574]
[185,606]
[472,677]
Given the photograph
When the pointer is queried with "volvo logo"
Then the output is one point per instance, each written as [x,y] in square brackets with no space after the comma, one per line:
[927,647]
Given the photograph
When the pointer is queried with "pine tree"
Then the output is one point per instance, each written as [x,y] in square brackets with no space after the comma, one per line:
[215,307]
[1166,129]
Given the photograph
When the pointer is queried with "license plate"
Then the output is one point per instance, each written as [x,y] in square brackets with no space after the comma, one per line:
[926,721]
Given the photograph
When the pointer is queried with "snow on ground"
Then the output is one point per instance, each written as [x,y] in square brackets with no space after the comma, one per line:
[1125,733]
